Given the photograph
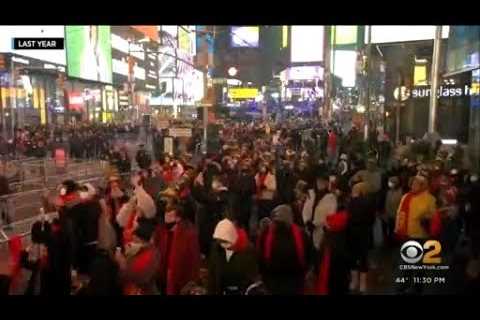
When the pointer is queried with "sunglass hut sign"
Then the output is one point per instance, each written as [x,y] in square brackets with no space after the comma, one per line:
[403,93]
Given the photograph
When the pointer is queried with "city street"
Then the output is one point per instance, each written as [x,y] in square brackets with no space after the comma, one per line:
[276,159]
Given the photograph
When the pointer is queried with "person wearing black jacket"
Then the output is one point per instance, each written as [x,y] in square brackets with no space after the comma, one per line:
[359,229]
[85,227]
[242,190]
[284,254]
[214,201]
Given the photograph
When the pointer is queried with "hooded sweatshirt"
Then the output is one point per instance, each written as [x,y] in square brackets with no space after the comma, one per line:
[233,267]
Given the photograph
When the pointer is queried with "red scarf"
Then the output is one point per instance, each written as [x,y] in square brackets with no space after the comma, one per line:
[261,182]
[242,241]
[297,238]
[128,230]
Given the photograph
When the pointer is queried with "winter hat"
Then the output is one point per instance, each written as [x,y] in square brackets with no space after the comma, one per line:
[144,229]
[283,213]
[226,231]
[145,203]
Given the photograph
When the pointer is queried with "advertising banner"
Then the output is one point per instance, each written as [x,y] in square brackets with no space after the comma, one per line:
[242,93]
[89,53]
[245,37]
[307,43]
[148,31]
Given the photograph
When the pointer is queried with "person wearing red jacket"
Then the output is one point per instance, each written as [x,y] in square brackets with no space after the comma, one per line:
[177,242]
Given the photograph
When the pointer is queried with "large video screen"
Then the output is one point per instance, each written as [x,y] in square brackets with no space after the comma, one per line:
[345,62]
[245,37]
[89,53]
[307,43]
[7,33]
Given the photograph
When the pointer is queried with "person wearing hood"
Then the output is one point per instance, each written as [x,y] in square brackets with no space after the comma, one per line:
[177,242]
[232,266]
[140,261]
[319,204]
[361,217]
[284,254]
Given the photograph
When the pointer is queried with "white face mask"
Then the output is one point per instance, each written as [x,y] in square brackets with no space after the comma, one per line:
[225,245]
[391,185]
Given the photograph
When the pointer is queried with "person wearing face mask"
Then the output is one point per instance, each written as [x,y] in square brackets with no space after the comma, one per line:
[392,201]
[177,242]
[319,204]
[140,262]
[232,265]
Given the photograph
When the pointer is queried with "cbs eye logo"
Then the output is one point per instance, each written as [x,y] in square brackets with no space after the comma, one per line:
[413,252]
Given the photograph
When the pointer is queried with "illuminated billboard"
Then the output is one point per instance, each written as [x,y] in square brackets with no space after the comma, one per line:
[344,34]
[307,43]
[242,93]
[7,33]
[345,66]
[245,36]
[386,34]
[284,36]
[89,53]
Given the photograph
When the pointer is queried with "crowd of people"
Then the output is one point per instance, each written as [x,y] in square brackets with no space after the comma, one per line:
[84,141]
[294,208]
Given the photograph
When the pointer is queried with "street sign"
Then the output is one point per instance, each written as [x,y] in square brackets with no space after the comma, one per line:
[180,132]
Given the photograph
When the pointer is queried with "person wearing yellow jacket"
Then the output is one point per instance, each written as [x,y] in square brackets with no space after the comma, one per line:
[415,210]
[414,215]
